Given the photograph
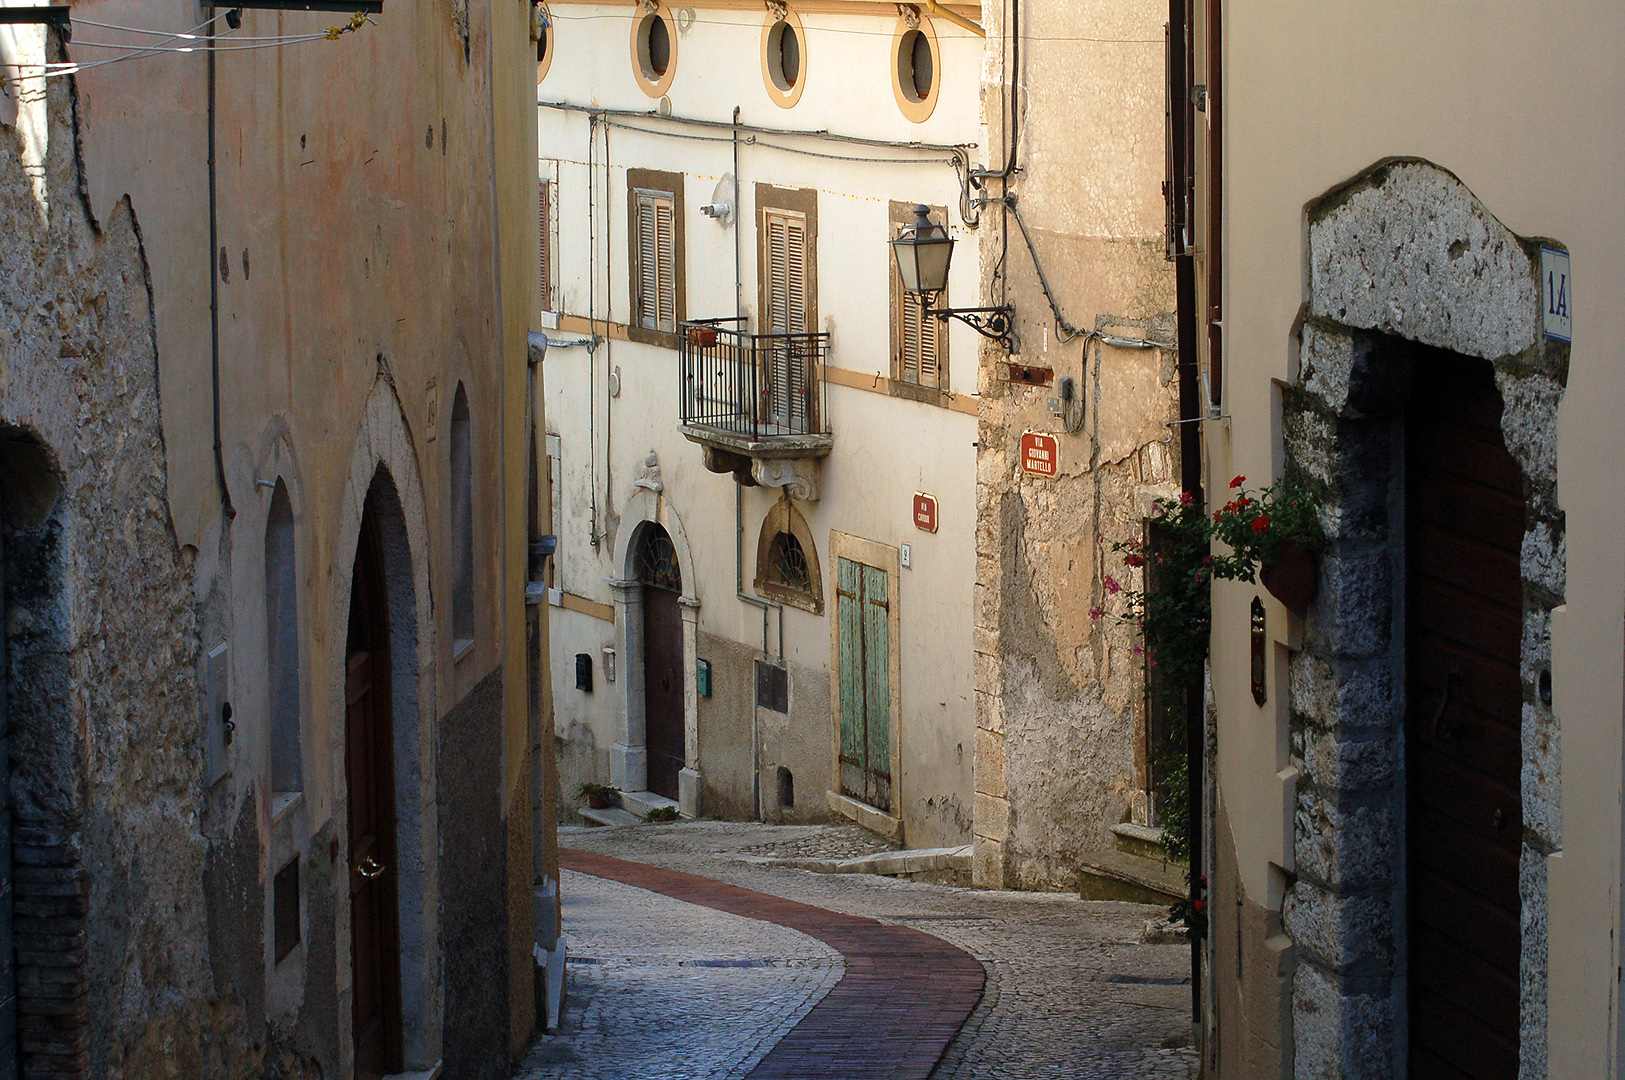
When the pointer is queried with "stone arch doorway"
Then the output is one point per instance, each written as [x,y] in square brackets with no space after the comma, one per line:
[662,583]
[382,525]
[1426,400]
[369,753]
[629,759]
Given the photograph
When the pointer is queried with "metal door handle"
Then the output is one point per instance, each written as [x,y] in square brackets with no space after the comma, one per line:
[1437,730]
[369,867]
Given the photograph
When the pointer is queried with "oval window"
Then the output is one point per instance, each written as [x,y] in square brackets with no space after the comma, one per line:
[544,40]
[915,66]
[784,59]
[654,52]
[914,69]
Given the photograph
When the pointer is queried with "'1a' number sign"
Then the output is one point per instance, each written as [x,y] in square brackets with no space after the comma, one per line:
[1557,294]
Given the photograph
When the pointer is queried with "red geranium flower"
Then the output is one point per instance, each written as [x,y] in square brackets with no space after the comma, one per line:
[1185,498]
[1260,523]
[1238,481]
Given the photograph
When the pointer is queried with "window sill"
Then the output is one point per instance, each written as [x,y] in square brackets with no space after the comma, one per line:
[283,804]
[461,649]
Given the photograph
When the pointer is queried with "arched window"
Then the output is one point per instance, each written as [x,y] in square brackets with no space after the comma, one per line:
[787,560]
[462,523]
[282,644]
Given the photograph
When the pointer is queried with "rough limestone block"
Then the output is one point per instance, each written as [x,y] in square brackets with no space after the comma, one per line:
[1344,934]
[1337,1034]
[1352,847]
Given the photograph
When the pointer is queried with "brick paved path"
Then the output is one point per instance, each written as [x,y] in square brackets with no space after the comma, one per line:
[1071,991]
[904,997]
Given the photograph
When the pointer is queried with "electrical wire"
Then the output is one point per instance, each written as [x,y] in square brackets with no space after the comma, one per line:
[873,33]
[205,42]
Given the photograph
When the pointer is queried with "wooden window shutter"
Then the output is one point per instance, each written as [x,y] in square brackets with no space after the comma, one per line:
[930,328]
[654,278]
[786,272]
[544,244]
[665,265]
[918,352]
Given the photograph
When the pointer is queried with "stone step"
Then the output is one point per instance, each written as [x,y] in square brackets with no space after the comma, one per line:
[641,802]
[937,863]
[1142,840]
[612,816]
[1117,875]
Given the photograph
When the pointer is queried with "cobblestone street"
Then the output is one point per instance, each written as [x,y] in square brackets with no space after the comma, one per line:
[660,987]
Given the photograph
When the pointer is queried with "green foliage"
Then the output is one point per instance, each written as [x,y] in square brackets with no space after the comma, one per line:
[1172,610]
[662,813]
[598,796]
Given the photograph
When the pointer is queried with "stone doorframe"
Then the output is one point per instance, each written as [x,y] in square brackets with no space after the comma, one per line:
[383,463]
[629,755]
[1402,251]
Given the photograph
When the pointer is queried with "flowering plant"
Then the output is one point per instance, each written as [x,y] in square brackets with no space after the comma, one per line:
[1258,528]
[1172,606]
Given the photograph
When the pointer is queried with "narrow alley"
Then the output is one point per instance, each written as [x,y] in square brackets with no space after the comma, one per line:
[664,983]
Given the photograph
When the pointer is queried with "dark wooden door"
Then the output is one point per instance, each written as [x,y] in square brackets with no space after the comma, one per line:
[1464,531]
[663,688]
[369,772]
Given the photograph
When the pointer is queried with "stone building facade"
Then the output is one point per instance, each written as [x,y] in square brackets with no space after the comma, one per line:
[1072,237]
[247,516]
[1413,847]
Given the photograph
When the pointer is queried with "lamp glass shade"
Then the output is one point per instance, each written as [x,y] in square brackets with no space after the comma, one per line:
[923,253]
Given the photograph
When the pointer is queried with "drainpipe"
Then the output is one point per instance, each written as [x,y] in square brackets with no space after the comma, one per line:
[226,508]
[956,19]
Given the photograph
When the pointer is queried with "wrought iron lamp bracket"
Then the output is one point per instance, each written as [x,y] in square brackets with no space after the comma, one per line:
[994,323]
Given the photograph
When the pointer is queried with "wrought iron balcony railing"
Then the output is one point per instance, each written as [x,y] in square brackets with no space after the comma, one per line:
[755,387]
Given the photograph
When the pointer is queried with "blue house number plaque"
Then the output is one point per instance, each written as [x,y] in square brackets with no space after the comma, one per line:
[1557,294]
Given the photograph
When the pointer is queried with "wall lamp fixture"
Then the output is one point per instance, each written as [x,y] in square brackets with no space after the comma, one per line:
[923,251]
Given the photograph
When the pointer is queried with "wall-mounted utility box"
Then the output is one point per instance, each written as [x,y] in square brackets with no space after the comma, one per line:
[772,687]
[702,678]
[584,672]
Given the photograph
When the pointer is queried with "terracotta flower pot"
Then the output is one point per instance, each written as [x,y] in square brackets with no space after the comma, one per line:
[702,337]
[600,802]
[1292,580]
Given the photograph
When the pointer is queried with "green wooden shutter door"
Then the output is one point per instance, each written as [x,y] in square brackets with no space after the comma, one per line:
[877,685]
[849,612]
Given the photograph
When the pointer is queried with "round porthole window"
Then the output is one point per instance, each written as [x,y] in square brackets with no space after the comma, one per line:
[654,51]
[784,59]
[542,31]
[915,66]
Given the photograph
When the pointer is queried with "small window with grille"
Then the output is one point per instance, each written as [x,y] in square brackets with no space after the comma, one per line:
[787,560]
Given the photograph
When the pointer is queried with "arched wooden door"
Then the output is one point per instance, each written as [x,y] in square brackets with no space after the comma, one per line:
[662,658]
[1464,612]
[375,955]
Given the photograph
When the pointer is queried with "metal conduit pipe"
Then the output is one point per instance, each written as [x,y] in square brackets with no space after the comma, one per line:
[955,18]
[855,140]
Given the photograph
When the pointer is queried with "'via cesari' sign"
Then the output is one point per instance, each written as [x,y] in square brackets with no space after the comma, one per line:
[925,512]
[1040,453]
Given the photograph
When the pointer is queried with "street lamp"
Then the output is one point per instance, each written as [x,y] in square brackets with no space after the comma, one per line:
[923,251]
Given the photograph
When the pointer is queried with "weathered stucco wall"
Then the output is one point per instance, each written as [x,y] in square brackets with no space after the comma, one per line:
[111,880]
[1060,746]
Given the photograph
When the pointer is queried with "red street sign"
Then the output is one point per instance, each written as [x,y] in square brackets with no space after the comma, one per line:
[925,512]
[1039,453]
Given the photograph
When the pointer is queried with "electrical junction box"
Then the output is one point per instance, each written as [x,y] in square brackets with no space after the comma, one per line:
[702,678]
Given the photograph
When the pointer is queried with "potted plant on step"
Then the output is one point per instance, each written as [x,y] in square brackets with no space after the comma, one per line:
[598,796]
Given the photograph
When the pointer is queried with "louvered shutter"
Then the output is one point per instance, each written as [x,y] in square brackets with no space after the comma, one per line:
[654,278]
[930,327]
[786,275]
[665,306]
[544,245]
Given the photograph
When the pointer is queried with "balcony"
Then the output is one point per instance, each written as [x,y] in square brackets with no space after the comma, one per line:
[755,403]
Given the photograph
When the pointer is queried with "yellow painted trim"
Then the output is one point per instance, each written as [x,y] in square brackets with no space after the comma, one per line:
[581,605]
[880,384]
[580,324]
[835,376]
[822,7]
[954,17]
